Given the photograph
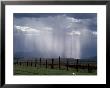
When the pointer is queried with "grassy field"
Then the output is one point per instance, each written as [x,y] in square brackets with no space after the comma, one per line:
[24,70]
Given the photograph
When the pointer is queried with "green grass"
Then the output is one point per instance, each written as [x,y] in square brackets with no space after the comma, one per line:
[23,70]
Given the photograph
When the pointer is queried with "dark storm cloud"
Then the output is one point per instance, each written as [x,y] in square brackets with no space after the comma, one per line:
[75,15]
[92,16]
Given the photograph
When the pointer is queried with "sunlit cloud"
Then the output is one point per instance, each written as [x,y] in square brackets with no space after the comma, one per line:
[27,29]
[73,19]
[75,33]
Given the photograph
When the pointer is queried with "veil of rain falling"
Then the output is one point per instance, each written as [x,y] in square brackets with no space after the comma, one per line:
[53,35]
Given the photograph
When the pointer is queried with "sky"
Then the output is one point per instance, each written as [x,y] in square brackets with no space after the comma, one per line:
[50,35]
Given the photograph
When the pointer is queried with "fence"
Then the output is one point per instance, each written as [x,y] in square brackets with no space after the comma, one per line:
[59,63]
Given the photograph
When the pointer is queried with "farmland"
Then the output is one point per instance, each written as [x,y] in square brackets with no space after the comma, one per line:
[58,66]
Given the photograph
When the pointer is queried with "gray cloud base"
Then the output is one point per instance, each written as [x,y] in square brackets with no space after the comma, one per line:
[52,35]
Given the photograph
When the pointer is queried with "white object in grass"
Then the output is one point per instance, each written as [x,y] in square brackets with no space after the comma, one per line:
[73,73]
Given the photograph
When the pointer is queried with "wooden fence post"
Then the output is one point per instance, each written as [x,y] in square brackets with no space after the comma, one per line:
[52,64]
[35,63]
[20,63]
[89,69]
[77,65]
[17,62]
[40,62]
[31,63]
[59,62]
[27,63]
[67,64]
[46,63]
